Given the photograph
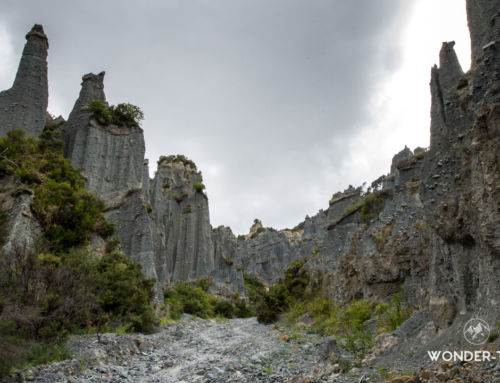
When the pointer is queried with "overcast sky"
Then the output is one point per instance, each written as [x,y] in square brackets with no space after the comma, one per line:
[280,103]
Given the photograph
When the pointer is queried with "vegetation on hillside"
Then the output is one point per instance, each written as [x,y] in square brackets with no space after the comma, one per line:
[296,295]
[63,287]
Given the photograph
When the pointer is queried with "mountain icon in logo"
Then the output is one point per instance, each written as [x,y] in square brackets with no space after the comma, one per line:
[476,331]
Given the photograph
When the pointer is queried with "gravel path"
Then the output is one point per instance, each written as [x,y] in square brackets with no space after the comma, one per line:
[239,350]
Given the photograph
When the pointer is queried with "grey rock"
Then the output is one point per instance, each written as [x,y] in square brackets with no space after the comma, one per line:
[24,105]
[484,24]
[442,311]
[24,230]
[328,348]
[186,247]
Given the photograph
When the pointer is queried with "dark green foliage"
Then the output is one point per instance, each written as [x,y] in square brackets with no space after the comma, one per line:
[198,187]
[121,114]
[224,308]
[371,205]
[123,291]
[204,283]
[69,215]
[177,158]
[242,310]
[192,298]
[47,352]
[269,304]
[229,261]
[493,337]
[269,309]
[189,299]
[255,288]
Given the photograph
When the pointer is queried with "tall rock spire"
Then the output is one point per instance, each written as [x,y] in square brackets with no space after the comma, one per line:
[24,105]
[92,89]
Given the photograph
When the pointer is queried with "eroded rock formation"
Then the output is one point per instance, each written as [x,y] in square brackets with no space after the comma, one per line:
[431,224]
[25,104]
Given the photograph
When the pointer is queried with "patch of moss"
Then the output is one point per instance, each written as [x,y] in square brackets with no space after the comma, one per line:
[198,187]
[369,206]
[179,198]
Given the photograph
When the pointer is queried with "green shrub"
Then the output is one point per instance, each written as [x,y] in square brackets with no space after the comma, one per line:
[189,299]
[392,315]
[290,289]
[179,198]
[198,187]
[224,308]
[371,205]
[43,353]
[268,310]
[358,312]
[69,215]
[121,114]
[149,207]
[124,292]
[204,283]
[192,298]
[229,261]
[242,310]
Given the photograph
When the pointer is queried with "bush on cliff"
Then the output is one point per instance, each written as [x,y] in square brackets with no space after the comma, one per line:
[121,114]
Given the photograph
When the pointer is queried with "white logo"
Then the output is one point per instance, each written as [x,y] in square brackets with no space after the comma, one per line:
[476,331]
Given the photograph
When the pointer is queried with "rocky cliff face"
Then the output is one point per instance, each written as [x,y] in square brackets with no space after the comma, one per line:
[432,223]
[184,243]
[461,188]
[365,245]
[24,105]
[162,223]
[112,160]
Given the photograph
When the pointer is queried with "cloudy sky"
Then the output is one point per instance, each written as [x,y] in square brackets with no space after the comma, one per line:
[281,103]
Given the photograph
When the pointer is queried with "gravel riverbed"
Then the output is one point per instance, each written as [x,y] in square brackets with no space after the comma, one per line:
[193,350]
[238,350]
